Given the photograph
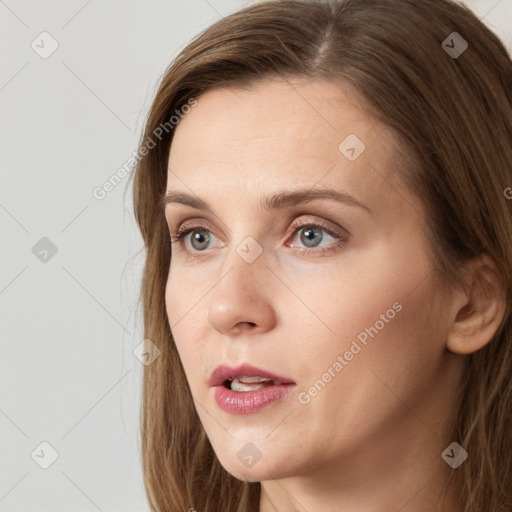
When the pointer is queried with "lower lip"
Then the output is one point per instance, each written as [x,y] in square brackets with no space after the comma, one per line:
[247,402]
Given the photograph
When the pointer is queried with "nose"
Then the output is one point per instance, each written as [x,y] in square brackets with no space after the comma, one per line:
[240,302]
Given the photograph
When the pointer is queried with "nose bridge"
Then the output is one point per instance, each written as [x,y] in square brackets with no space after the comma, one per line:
[244,269]
[240,295]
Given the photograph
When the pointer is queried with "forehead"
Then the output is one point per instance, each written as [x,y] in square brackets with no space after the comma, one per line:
[280,134]
[273,116]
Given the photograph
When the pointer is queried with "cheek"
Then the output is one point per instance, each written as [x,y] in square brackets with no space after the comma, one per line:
[336,306]
[384,364]
[186,304]
[183,296]
[401,363]
[378,312]
[179,315]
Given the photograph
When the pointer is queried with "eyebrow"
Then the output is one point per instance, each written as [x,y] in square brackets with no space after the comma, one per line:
[279,201]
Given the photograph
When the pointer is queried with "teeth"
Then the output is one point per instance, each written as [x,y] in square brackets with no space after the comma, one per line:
[250,380]
[249,383]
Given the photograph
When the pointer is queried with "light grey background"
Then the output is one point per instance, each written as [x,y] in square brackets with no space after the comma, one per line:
[69,324]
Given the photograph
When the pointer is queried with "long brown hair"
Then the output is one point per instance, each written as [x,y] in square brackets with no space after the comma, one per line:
[452,117]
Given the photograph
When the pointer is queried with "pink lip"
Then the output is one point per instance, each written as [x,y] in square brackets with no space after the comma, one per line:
[247,402]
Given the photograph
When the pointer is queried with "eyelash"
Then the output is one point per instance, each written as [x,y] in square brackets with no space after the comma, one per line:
[184,231]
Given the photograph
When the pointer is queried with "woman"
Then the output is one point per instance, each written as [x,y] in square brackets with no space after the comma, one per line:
[329,266]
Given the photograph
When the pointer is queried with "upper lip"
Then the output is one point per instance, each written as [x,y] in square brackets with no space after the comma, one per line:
[223,373]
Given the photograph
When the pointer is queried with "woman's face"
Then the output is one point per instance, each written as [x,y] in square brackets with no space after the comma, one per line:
[334,298]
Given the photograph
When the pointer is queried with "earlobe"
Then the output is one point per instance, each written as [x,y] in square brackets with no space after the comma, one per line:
[479,311]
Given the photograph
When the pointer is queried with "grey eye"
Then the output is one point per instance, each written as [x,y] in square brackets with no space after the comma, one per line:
[200,237]
[310,236]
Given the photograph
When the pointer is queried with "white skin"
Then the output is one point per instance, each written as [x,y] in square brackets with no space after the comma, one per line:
[372,438]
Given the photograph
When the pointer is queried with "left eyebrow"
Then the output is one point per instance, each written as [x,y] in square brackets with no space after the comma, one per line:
[279,201]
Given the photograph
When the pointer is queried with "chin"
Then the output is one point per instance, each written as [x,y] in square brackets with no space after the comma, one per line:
[237,462]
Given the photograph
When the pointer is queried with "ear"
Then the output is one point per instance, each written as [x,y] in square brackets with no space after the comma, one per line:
[479,310]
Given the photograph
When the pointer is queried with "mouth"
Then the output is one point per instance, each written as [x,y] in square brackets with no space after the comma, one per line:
[247,389]
[246,378]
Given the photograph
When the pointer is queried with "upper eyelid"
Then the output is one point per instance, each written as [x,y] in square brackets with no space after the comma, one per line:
[179,218]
